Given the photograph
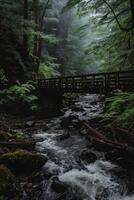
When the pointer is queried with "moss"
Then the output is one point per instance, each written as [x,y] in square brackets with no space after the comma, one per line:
[20,136]
[23,162]
[8,181]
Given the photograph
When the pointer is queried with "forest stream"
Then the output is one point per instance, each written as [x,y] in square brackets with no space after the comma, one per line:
[67,175]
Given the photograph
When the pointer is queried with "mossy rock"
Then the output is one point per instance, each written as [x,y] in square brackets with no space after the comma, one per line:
[22,137]
[8,182]
[23,162]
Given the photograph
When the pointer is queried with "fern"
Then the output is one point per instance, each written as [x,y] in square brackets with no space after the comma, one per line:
[119,110]
[22,93]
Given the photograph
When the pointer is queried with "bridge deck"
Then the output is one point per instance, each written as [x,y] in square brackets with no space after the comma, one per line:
[92,83]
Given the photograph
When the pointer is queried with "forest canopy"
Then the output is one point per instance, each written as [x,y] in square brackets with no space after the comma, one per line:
[46,38]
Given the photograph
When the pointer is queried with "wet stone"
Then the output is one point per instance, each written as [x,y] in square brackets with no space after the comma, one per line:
[88,156]
[58,186]
[66,121]
[30,123]
[122,158]
[77,109]
[64,136]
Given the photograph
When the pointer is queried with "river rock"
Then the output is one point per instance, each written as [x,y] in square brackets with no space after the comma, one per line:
[58,186]
[88,156]
[121,157]
[37,178]
[66,121]
[64,136]
[30,123]
[77,108]
[23,162]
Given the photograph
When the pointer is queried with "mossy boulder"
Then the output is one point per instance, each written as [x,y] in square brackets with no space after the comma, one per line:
[23,162]
[8,182]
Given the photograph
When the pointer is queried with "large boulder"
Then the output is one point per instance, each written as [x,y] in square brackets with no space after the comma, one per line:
[88,156]
[23,162]
[8,182]
[58,186]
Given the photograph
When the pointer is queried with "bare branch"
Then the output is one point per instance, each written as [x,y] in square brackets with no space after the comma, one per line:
[117,20]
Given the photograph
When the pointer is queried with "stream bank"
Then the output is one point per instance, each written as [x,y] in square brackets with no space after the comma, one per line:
[75,169]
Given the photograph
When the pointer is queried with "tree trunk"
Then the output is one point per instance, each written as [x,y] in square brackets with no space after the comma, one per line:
[132,10]
[36,29]
[39,44]
[25,37]
[41,23]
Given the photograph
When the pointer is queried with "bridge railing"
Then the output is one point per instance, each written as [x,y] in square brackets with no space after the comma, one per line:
[99,81]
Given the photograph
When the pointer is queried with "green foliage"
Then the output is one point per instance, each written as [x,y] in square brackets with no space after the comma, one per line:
[2,198]
[119,110]
[49,39]
[112,27]
[19,94]
[22,137]
[46,71]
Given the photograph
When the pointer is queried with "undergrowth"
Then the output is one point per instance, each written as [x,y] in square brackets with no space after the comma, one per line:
[119,111]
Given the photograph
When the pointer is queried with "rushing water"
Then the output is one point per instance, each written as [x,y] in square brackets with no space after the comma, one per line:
[86,181]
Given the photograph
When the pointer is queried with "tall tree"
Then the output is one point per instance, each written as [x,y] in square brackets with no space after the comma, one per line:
[25,36]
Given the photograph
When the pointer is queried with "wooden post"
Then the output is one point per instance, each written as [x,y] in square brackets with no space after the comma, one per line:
[105,83]
[117,80]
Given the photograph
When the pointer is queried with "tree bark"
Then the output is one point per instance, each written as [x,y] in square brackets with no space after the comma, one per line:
[126,29]
[132,10]
[25,37]
[41,22]
[100,140]
[36,21]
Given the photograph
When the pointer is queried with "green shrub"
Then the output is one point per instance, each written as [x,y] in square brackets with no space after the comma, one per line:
[19,96]
[119,111]
[2,198]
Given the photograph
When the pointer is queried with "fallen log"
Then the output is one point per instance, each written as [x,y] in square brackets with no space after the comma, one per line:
[18,145]
[119,153]
[100,140]
[123,131]
[122,135]
[93,131]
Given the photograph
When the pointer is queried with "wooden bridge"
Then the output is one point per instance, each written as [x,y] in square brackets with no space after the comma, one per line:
[51,90]
[92,83]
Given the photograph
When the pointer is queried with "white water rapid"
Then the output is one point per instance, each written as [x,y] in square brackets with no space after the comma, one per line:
[93,181]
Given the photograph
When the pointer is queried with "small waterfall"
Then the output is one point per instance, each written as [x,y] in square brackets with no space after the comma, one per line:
[94,183]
